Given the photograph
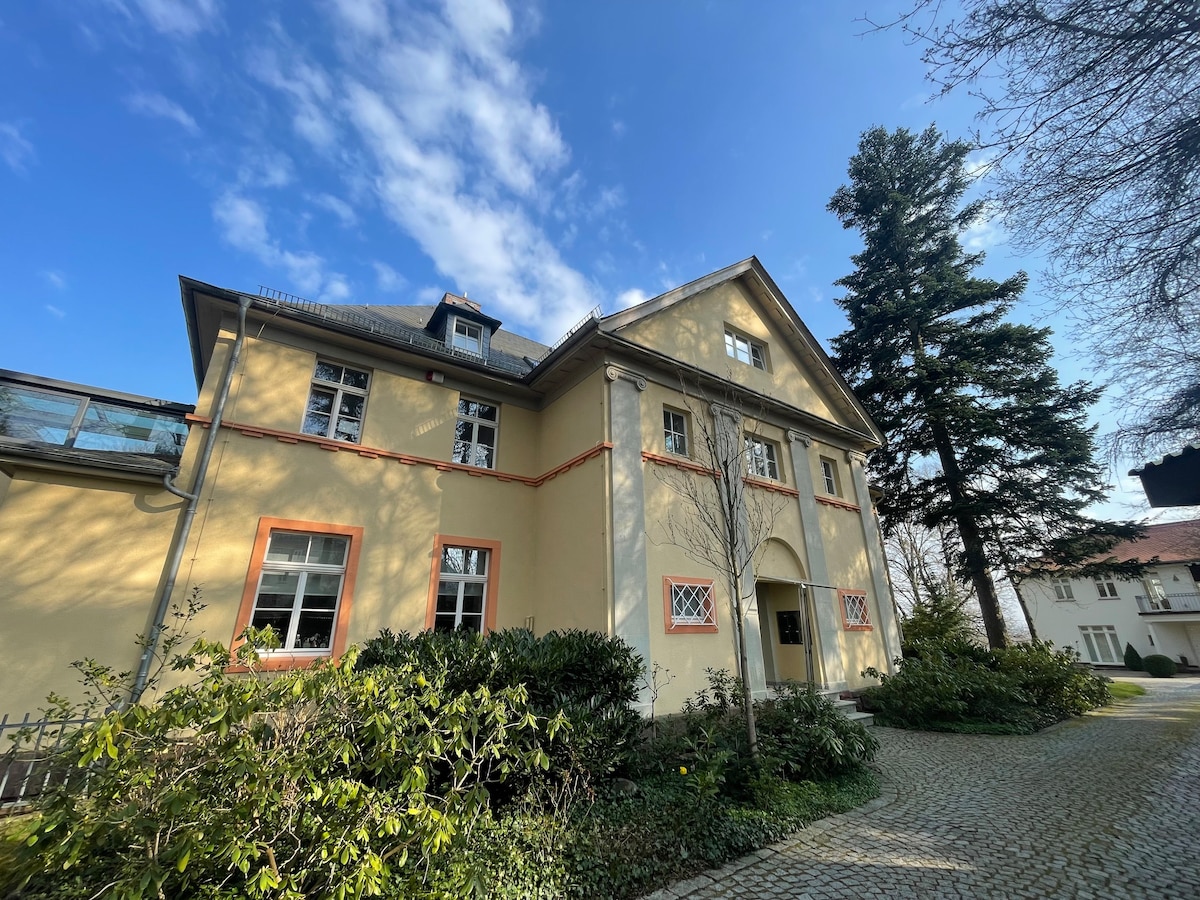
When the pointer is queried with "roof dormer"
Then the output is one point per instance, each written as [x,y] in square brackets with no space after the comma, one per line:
[461,325]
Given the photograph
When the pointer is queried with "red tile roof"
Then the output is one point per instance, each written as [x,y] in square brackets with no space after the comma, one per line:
[1171,542]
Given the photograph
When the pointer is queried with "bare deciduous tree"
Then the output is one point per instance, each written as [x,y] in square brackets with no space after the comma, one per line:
[725,517]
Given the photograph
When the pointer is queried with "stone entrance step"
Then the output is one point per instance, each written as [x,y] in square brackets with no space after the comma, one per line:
[847,708]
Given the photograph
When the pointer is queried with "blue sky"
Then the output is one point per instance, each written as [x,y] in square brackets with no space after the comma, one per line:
[544,158]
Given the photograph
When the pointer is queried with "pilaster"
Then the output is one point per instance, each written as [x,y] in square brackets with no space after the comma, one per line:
[884,600]
[824,600]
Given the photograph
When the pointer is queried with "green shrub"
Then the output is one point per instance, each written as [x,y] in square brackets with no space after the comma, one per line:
[948,686]
[801,736]
[1159,666]
[320,782]
[590,678]
[1133,659]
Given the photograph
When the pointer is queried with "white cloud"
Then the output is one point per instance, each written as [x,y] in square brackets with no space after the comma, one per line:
[342,210]
[308,89]
[151,104]
[55,279]
[243,225]
[266,168]
[986,232]
[618,128]
[15,150]
[388,279]
[631,297]
[55,311]
[978,164]
[178,18]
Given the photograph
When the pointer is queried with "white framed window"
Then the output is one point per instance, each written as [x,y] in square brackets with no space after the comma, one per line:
[462,589]
[855,613]
[762,457]
[1105,587]
[299,589]
[1101,644]
[829,476]
[675,431]
[743,349]
[688,605]
[475,433]
[1062,589]
[467,336]
[336,402]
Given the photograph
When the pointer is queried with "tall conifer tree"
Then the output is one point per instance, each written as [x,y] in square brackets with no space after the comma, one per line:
[949,381]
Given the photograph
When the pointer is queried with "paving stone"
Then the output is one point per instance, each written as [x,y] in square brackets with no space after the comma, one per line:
[1099,807]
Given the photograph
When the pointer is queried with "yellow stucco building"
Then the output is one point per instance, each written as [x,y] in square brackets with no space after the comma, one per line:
[353,468]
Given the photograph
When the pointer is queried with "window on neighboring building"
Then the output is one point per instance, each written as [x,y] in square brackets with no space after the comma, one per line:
[1101,644]
[689,605]
[745,350]
[300,587]
[475,433]
[1105,587]
[675,431]
[336,402]
[829,475]
[1062,589]
[855,614]
[762,457]
[788,621]
[462,589]
[467,336]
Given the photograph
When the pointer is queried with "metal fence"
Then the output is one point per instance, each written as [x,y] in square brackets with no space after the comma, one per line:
[30,761]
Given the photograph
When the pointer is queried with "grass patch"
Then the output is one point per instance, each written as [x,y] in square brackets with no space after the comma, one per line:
[1124,690]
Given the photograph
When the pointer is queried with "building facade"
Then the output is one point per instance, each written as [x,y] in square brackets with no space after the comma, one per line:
[354,468]
[1158,613]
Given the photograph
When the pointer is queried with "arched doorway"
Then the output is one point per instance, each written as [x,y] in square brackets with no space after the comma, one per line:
[789,635]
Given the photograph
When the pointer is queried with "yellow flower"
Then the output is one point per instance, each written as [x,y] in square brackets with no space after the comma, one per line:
[683,770]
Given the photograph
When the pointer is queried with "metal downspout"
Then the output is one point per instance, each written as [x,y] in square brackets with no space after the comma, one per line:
[175,555]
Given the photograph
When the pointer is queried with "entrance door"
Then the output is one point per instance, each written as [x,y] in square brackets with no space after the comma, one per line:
[792,633]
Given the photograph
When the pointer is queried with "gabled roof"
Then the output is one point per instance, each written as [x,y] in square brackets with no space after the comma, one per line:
[1171,542]
[751,272]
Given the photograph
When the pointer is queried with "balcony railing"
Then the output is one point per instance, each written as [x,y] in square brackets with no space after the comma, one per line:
[1169,604]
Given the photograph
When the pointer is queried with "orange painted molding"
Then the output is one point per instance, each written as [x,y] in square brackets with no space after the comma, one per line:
[291,437]
[493,576]
[774,486]
[838,503]
[283,659]
[679,463]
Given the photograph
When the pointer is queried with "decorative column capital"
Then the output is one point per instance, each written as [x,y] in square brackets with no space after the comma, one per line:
[799,437]
[728,413]
[856,456]
[613,373]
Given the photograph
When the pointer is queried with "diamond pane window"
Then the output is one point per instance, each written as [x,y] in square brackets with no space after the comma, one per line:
[855,613]
[336,402]
[475,434]
[689,604]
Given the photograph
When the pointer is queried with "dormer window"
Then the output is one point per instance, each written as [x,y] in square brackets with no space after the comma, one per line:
[467,336]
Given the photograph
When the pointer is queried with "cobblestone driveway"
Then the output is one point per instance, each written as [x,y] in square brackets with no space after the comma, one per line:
[1107,806]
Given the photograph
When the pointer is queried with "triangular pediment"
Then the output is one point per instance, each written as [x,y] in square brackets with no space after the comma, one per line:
[736,325]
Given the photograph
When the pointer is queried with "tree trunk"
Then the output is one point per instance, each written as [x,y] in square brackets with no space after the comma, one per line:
[743,665]
[1024,609]
[973,550]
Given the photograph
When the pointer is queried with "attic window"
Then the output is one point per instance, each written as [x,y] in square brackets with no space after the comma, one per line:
[467,336]
[743,349]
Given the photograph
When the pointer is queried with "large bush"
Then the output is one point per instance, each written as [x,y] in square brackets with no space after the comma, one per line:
[588,677]
[325,782]
[949,686]
[1159,666]
[1133,659]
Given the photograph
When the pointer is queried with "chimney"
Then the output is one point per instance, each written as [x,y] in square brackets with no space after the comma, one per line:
[454,300]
